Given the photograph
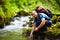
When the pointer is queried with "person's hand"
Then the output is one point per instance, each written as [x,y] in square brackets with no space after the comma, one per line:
[36,29]
[31,35]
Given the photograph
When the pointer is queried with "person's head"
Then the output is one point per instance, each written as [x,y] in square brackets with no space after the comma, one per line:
[34,14]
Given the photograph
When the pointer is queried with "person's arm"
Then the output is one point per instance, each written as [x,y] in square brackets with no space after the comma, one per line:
[31,34]
[33,28]
[42,23]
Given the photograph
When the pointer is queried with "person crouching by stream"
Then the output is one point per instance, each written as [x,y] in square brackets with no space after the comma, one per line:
[41,20]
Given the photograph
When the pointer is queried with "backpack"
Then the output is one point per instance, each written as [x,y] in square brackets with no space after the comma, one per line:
[43,10]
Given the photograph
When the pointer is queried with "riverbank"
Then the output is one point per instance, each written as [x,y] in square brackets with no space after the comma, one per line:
[11,35]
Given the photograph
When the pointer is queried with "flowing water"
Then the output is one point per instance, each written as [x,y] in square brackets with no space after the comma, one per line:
[13,31]
[17,23]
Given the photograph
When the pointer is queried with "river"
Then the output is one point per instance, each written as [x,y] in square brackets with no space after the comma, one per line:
[13,31]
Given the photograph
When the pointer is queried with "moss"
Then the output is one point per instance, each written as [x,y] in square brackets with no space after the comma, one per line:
[54,19]
[58,19]
[30,23]
[26,31]
[7,21]
[8,35]
[2,16]
[23,13]
[31,19]
[55,31]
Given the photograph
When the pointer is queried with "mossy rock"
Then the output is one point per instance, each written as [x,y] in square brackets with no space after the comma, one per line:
[54,19]
[31,19]
[30,23]
[26,31]
[1,22]
[22,12]
[7,20]
[55,31]
[2,25]
[58,19]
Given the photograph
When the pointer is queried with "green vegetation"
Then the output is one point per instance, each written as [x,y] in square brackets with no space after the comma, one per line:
[12,36]
[7,10]
[10,7]
[26,31]
[23,7]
